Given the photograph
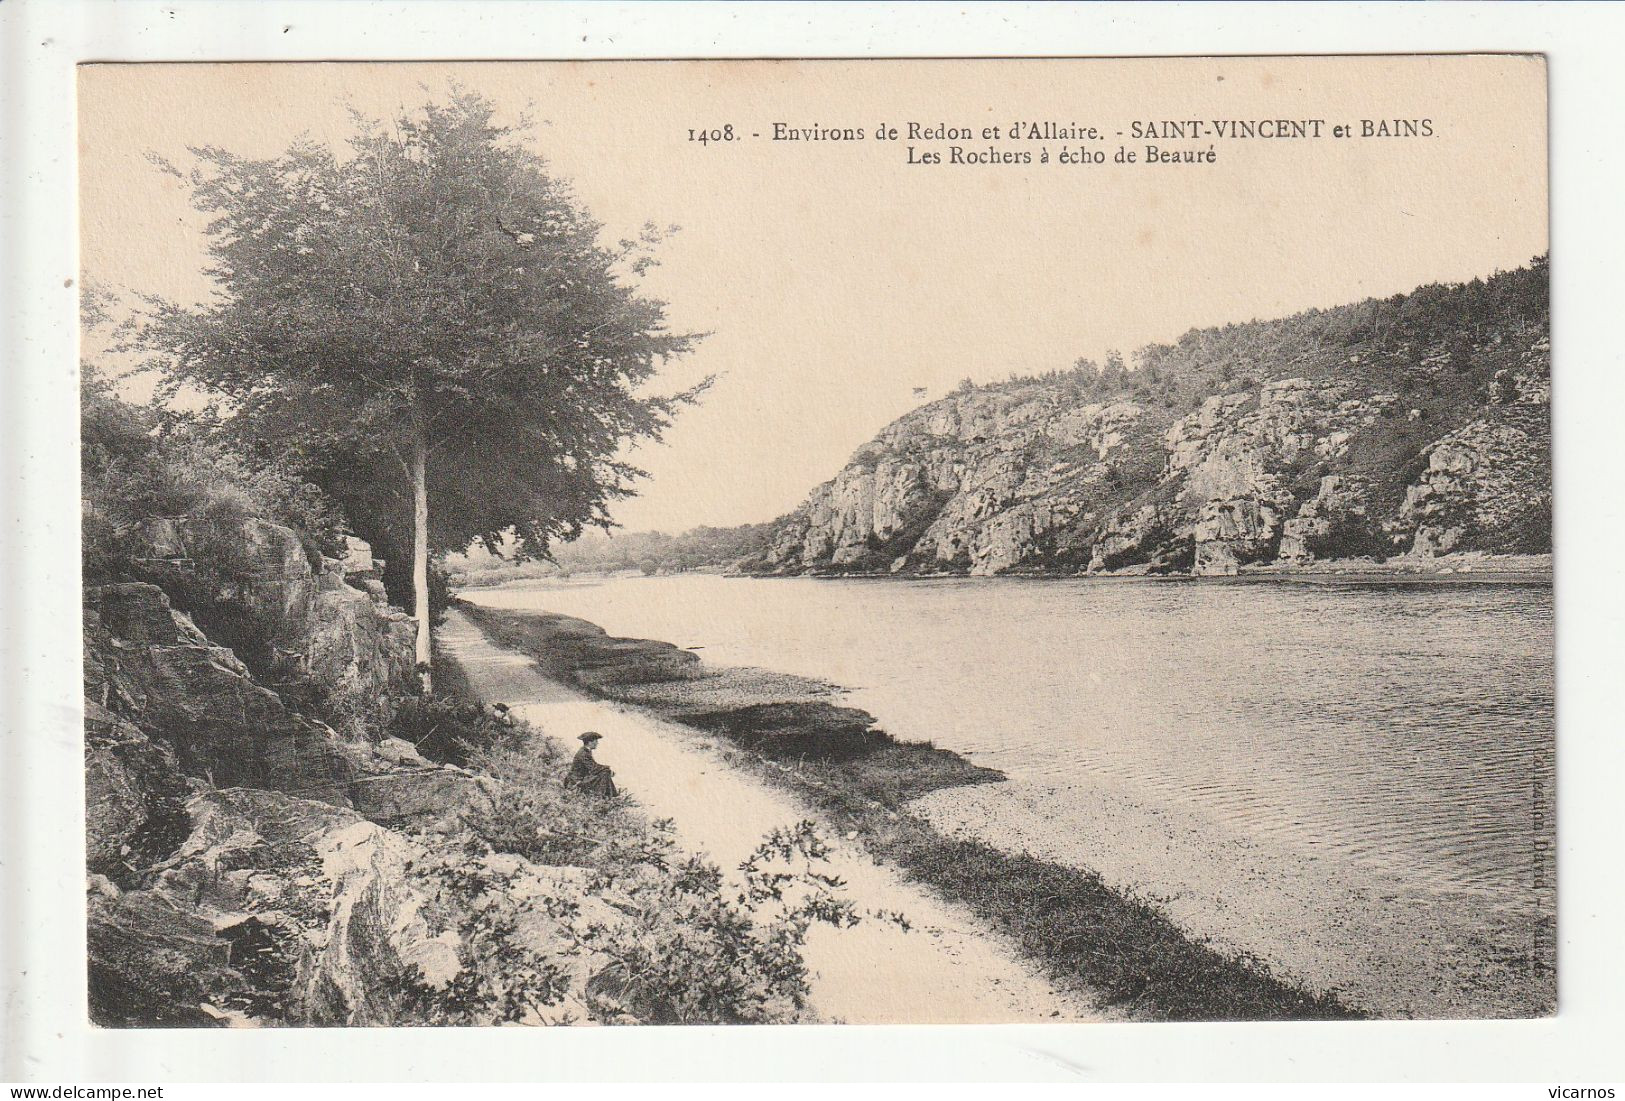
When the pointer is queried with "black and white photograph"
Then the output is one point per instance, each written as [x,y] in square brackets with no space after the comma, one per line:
[842,542]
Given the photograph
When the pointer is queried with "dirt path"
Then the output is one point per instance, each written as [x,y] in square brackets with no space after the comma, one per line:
[943,970]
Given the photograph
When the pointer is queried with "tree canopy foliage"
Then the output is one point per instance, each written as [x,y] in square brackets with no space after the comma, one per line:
[427,318]
[1387,342]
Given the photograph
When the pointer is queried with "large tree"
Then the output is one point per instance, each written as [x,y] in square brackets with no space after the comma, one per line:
[428,325]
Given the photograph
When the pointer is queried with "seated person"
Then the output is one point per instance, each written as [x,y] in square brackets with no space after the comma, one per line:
[586,773]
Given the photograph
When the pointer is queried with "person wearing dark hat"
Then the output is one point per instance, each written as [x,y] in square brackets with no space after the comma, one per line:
[586,773]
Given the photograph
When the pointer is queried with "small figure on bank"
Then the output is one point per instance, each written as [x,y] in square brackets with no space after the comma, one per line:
[586,773]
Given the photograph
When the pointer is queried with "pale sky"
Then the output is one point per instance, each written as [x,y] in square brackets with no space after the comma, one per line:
[836,278]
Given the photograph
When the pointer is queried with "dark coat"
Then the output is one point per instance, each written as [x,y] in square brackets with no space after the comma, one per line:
[590,776]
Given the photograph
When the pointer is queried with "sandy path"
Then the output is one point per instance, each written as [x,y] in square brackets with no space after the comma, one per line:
[943,970]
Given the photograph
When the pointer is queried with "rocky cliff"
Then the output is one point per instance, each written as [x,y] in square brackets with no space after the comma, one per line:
[213,798]
[264,847]
[291,614]
[1417,425]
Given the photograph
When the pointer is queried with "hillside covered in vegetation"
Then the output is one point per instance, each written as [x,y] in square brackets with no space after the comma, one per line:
[1414,425]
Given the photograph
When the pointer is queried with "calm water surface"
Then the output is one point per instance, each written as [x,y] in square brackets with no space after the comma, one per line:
[1403,726]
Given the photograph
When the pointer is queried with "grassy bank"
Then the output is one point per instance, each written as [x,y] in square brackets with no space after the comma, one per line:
[794,732]
[663,937]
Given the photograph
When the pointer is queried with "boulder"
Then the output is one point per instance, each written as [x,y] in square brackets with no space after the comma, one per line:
[287,612]
[357,561]
[399,751]
[378,951]
[153,963]
[134,797]
[412,794]
[358,656]
[153,667]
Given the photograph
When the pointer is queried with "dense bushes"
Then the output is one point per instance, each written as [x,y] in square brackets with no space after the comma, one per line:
[683,945]
[1392,343]
[447,728]
[137,465]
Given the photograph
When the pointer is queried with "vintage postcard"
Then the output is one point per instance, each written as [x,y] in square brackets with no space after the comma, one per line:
[697,542]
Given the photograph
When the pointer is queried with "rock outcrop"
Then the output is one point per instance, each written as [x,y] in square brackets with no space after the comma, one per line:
[1488,482]
[243,865]
[150,665]
[288,612]
[972,482]
[378,948]
[218,932]
[1334,523]
[1411,449]
[276,909]
[134,795]
[251,864]
[163,701]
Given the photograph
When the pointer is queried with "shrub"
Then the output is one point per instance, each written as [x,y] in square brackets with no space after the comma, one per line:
[450,730]
[136,466]
[691,948]
[503,978]
[689,956]
[1352,537]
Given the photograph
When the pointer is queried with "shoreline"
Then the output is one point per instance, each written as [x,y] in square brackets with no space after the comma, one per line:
[1085,935]
[910,956]
[1465,568]
[1472,568]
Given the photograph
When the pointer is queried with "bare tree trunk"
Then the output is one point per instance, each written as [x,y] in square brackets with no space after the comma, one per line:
[420,557]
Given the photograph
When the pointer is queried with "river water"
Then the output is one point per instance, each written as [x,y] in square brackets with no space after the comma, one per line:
[1376,732]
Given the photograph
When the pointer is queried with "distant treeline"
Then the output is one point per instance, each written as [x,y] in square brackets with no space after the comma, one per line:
[648,552]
